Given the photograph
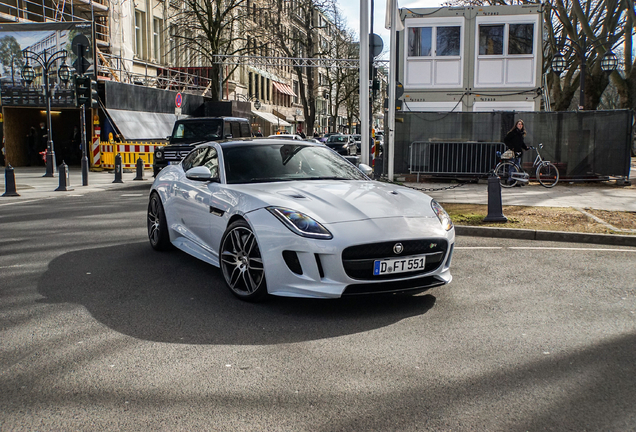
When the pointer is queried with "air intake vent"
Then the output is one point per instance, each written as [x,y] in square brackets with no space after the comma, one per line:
[291,259]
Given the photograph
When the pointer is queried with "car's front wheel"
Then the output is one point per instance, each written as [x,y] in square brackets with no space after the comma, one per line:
[241,262]
[157,225]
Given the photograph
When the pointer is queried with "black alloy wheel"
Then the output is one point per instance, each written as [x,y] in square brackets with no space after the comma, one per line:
[157,225]
[242,264]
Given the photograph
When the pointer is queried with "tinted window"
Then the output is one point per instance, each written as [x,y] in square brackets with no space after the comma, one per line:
[285,162]
[206,156]
[191,131]
[245,130]
[236,130]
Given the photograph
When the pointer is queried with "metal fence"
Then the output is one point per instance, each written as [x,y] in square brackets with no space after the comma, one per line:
[583,145]
[453,158]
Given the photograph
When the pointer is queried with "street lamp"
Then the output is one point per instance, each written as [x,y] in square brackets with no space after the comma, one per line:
[249,98]
[609,63]
[46,60]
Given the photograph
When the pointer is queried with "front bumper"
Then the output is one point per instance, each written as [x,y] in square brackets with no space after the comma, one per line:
[318,266]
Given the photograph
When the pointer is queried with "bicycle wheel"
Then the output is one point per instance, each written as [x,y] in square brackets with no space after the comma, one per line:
[504,171]
[547,174]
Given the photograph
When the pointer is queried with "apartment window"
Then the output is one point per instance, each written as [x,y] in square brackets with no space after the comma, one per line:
[520,38]
[140,33]
[157,45]
[434,41]
[491,39]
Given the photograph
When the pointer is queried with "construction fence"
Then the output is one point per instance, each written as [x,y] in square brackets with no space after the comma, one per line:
[584,145]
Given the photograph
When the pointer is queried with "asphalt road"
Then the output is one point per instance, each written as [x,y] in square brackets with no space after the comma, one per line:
[99,332]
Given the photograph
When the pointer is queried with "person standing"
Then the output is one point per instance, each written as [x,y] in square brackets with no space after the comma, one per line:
[514,140]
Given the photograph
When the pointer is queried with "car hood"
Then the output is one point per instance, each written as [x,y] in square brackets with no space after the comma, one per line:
[336,201]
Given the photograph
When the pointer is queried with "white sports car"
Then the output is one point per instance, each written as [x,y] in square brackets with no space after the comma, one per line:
[296,219]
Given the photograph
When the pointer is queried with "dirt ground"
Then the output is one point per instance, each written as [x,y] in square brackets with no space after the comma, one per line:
[546,218]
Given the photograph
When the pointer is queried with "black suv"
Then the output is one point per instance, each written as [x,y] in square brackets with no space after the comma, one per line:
[187,133]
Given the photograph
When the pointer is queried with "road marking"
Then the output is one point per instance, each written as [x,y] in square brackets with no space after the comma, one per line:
[478,247]
[132,195]
[23,202]
[572,249]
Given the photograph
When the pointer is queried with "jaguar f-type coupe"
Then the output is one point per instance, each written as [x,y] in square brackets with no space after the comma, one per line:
[296,219]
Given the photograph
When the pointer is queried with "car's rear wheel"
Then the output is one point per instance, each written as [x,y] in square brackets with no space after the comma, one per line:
[242,264]
[157,225]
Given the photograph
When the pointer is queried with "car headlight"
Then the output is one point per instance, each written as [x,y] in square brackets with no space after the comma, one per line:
[301,224]
[158,154]
[441,214]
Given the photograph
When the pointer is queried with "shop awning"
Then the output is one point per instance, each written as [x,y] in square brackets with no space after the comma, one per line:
[142,125]
[283,88]
[271,118]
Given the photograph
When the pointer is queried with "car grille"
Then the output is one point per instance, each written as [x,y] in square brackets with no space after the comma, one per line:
[409,285]
[358,261]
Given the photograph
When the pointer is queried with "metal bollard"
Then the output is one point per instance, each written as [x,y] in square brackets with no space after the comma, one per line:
[495,213]
[65,178]
[140,169]
[118,169]
[9,182]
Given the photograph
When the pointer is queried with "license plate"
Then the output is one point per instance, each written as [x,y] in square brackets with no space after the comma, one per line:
[399,265]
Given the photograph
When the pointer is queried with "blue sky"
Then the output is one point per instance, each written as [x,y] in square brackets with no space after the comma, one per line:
[351,10]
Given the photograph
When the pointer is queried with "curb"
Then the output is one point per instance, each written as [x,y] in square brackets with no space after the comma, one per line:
[559,236]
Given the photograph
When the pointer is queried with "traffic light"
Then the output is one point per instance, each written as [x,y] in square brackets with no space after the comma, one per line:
[85,91]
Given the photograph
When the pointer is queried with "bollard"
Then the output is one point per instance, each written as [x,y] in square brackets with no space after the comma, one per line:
[140,169]
[65,178]
[495,213]
[9,182]
[118,169]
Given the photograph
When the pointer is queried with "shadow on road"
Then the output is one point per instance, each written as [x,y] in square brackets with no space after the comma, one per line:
[172,297]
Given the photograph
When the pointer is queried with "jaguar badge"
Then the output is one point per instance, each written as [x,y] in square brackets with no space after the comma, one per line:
[398,248]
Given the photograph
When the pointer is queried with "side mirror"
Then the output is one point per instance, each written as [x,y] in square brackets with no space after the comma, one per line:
[200,173]
[168,137]
[366,169]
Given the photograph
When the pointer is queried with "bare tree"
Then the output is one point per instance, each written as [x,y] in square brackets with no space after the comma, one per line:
[581,30]
[208,28]
[293,29]
[342,82]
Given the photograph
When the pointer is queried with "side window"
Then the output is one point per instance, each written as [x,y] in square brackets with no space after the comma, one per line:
[227,129]
[179,132]
[236,131]
[190,160]
[245,129]
[211,161]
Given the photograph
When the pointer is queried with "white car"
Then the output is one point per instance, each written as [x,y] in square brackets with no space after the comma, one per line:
[296,219]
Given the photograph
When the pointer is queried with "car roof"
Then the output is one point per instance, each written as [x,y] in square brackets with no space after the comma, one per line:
[262,141]
[189,119]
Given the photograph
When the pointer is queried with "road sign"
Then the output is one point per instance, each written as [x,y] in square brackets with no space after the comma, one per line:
[178,100]
[376,45]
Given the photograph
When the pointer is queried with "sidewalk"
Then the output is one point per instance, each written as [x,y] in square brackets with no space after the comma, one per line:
[31,184]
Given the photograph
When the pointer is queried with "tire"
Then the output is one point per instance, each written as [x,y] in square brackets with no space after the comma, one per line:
[157,225]
[547,174]
[242,264]
[503,171]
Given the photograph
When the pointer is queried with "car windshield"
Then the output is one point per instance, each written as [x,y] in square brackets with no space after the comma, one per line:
[192,131]
[285,162]
[337,139]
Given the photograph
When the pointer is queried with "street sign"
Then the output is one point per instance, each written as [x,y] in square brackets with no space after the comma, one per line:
[178,100]
[376,45]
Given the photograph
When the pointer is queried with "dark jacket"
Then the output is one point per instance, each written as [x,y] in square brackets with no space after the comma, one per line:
[514,141]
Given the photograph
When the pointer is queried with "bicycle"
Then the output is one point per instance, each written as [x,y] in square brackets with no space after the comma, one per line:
[510,173]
